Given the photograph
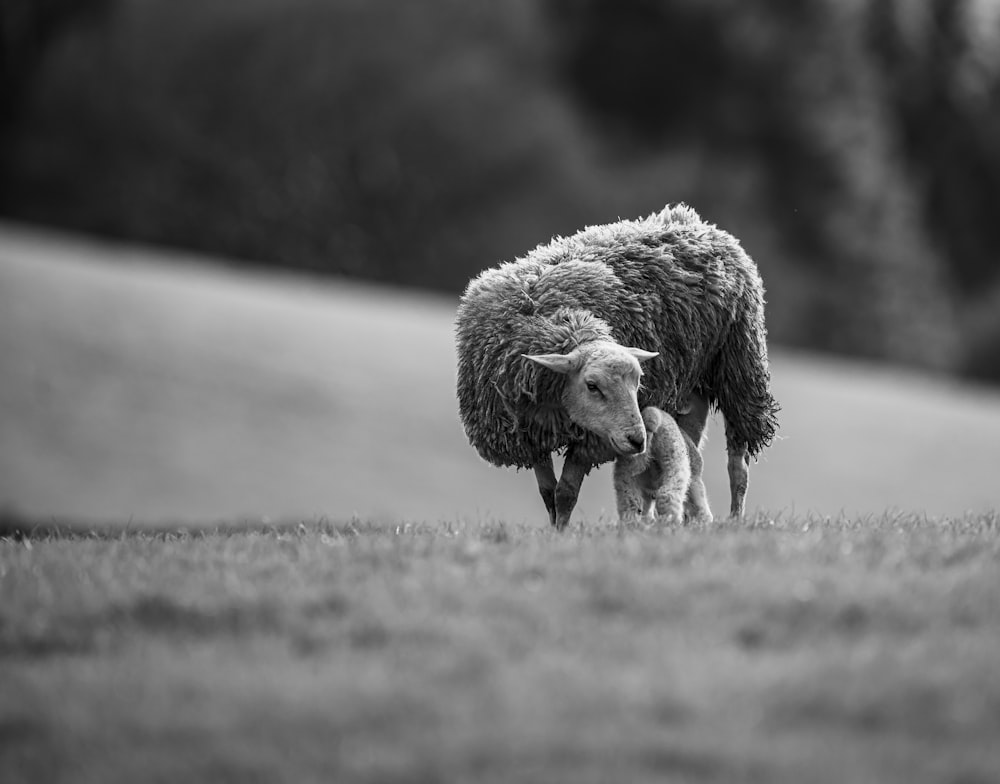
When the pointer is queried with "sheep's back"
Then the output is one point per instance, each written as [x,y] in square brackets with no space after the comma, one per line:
[683,285]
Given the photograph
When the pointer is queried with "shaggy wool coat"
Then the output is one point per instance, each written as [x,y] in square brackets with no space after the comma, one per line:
[669,283]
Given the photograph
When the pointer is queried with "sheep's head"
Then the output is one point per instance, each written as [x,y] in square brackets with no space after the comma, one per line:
[602,384]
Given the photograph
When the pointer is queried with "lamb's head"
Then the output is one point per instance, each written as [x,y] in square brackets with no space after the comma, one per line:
[602,384]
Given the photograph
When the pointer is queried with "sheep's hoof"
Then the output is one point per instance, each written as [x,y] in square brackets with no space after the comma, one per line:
[550,506]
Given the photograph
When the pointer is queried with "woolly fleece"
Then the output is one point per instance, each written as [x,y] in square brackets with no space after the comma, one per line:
[669,283]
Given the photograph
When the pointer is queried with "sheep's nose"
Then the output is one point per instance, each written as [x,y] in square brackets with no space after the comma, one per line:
[638,442]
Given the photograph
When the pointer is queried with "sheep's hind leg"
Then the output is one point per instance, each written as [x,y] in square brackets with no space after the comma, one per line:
[545,475]
[568,490]
[696,506]
[739,476]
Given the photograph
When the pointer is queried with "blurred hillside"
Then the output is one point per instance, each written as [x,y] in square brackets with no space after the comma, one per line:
[852,146]
[145,385]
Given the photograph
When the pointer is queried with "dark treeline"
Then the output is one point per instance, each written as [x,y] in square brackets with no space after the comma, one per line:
[851,145]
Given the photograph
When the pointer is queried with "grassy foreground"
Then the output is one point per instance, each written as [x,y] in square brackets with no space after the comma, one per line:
[768,650]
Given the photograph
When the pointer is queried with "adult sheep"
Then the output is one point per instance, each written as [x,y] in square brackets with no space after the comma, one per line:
[549,347]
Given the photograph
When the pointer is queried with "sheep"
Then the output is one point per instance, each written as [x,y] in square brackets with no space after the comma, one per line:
[549,349]
[666,477]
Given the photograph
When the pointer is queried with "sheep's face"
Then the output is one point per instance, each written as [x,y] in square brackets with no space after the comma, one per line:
[602,384]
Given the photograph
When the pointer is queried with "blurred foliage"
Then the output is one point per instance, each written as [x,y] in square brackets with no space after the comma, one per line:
[942,83]
[27,29]
[791,87]
[981,358]
[849,144]
[366,138]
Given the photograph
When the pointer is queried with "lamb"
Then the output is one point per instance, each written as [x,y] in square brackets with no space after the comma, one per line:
[549,350]
[666,477]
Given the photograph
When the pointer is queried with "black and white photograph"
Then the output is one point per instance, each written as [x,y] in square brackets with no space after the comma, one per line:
[583,391]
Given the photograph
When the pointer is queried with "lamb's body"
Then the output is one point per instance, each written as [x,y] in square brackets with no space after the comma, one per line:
[668,283]
[667,477]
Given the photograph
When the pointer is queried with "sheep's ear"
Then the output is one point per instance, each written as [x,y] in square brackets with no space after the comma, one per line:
[641,354]
[560,363]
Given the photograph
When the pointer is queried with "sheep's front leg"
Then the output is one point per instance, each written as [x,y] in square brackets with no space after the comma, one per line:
[568,490]
[545,475]
[739,476]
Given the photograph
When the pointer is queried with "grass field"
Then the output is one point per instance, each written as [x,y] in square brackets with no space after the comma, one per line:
[407,615]
[766,651]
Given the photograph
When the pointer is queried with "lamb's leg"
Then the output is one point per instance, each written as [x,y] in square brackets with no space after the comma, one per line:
[739,476]
[696,505]
[568,490]
[648,508]
[545,475]
[673,489]
[628,497]
[670,505]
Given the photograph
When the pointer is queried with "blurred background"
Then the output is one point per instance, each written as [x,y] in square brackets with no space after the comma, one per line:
[853,147]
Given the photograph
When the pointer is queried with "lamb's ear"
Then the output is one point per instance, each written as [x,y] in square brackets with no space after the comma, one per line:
[560,363]
[641,354]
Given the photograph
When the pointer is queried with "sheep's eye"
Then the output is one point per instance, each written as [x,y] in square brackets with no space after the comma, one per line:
[593,387]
